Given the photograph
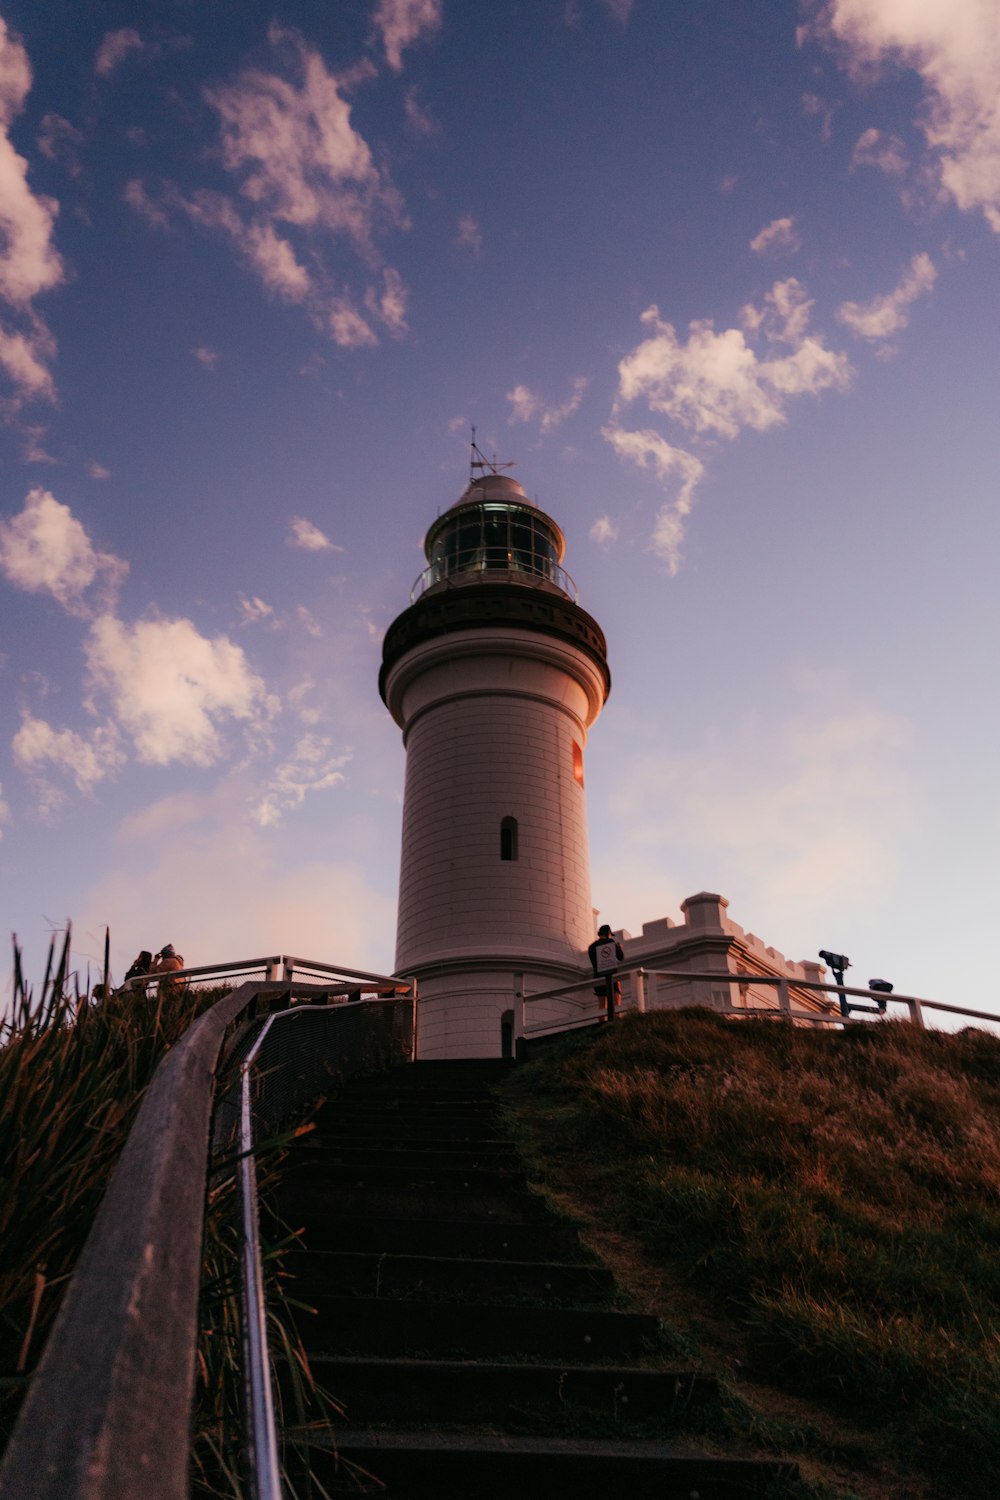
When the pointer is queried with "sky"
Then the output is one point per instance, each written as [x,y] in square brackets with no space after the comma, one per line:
[719,279]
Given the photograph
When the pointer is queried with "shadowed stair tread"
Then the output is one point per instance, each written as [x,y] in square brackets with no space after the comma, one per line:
[451,1465]
[324,1155]
[385,1325]
[378,1273]
[491,1238]
[457,1391]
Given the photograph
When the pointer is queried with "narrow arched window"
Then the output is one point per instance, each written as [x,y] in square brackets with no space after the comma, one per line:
[508,838]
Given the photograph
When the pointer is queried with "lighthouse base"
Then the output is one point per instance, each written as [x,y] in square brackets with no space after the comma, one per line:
[472,1014]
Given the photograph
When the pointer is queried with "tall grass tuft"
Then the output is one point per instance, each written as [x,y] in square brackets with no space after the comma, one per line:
[836,1195]
[72,1077]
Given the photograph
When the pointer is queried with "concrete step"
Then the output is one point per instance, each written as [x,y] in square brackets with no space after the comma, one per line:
[455,1330]
[402,1156]
[477,1196]
[520,1397]
[441,1072]
[412,1102]
[490,1239]
[391,1132]
[413,1465]
[415,1175]
[435,1276]
[353,1273]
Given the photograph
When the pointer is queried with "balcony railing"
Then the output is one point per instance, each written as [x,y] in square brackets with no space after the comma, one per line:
[486,565]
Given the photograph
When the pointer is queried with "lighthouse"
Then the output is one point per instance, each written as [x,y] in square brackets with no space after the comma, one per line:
[494,674]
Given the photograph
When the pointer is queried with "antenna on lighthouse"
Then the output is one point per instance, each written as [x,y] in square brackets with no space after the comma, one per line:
[478,460]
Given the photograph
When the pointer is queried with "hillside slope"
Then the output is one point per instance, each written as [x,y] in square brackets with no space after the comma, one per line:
[815,1215]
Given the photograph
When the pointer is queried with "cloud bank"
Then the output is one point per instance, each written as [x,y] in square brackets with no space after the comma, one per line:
[955,50]
[29,262]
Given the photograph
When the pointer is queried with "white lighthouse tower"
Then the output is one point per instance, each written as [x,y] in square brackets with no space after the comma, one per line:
[494,674]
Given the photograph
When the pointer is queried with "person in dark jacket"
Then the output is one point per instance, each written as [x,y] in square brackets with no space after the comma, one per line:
[141,965]
[603,953]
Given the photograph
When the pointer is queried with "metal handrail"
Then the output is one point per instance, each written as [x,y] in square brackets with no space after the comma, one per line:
[262,1434]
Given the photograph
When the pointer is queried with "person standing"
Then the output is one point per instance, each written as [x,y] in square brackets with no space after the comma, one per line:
[605,954]
[167,962]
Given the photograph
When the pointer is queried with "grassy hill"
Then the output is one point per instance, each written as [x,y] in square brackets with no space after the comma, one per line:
[814,1215]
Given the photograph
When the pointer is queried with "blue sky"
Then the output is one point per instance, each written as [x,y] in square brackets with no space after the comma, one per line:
[720,279]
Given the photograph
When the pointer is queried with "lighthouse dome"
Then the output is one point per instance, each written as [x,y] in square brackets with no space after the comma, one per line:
[494,533]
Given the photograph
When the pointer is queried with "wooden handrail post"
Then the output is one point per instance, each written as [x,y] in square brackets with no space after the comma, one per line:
[517,1039]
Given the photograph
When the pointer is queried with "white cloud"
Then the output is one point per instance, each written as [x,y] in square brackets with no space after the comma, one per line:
[527,407]
[347,326]
[873,148]
[114,48]
[296,696]
[207,358]
[257,242]
[298,157]
[819,109]
[37,745]
[717,383]
[4,813]
[401,23]
[60,141]
[780,237]
[312,767]
[135,195]
[389,305]
[955,49]
[303,533]
[46,549]
[33,438]
[254,610]
[304,180]
[469,235]
[418,118]
[29,263]
[603,531]
[309,622]
[25,356]
[170,686]
[678,473]
[887,314]
[98,471]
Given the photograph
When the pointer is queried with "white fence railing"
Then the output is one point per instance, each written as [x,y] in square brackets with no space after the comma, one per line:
[878,1000]
[283,969]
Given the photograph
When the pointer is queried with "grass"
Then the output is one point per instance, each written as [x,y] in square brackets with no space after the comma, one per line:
[72,1077]
[832,1201]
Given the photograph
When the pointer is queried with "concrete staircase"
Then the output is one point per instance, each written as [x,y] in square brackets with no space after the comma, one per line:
[476,1348]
